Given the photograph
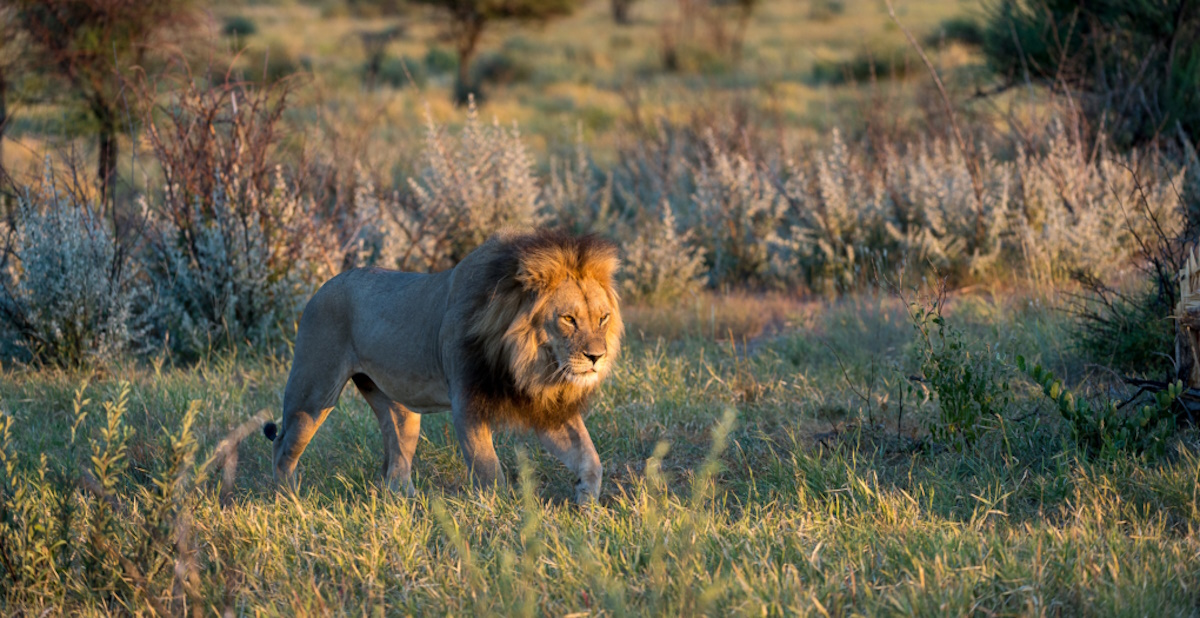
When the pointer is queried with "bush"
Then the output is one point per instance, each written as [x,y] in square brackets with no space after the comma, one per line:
[660,264]
[964,30]
[440,61]
[468,189]
[499,69]
[872,61]
[971,385]
[232,248]
[1131,332]
[840,218]
[270,65]
[239,26]
[738,212]
[577,200]
[68,293]
[1134,64]
[1104,430]
[1072,216]
[400,72]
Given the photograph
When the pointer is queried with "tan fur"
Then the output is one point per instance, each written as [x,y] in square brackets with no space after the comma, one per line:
[521,332]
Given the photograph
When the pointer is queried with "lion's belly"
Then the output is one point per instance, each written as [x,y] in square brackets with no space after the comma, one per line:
[417,395]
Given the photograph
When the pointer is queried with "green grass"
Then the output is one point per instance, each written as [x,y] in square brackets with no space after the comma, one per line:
[760,476]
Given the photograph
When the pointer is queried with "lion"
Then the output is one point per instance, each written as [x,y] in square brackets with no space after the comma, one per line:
[519,334]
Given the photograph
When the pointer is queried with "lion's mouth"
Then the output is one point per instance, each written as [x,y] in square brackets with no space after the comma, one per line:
[582,377]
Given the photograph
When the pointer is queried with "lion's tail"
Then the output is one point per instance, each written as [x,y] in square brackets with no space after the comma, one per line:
[270,430]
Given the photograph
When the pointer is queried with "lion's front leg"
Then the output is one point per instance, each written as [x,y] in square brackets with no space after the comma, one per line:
[572,445]
[475,442]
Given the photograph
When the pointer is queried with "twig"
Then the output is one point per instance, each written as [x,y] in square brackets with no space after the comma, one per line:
[972,165]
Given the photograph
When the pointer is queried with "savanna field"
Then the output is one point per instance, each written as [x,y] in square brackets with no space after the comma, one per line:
[910,322]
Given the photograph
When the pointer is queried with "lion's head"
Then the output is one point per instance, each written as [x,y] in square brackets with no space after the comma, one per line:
[551,326]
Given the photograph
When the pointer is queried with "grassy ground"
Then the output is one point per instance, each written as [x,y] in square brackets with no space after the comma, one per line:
[754,466]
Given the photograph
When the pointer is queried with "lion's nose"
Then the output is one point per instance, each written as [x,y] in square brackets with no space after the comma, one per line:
[594,357]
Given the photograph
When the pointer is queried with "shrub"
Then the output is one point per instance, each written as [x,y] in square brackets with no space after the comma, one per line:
[738,211]
[239,26]
[964,30]
[400,72]
[468,189]
[1104,430]
[660,264]
[68,293]
[1128,331]
[872,61]
[1134,64]
[440,61]
[940,216]
[499,69]
[577,200]
[1076,216]
[841,215]
[230,272]
[232,248]
[971,385]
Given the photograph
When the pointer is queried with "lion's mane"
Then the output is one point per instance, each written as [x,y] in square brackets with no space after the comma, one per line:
[508,367]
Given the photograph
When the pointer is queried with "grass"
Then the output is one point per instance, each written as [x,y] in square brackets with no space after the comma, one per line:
[759,475]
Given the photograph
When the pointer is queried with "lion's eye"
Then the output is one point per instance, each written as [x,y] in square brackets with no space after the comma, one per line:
[569,319]
[604,319]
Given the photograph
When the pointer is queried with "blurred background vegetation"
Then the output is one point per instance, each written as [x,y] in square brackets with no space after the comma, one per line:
[234,154]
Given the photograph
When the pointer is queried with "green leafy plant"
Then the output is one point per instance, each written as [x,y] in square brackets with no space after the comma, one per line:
[1104,430]
[971,385]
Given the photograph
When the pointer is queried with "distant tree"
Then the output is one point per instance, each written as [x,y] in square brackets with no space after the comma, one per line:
[87,43]
[1134,65]
[620,11]
[468,18]
[740,12]
[375,44]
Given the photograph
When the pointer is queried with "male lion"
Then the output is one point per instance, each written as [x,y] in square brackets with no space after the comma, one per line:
[520,333]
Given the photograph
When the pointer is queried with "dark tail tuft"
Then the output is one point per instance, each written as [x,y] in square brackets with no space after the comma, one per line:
[270,430]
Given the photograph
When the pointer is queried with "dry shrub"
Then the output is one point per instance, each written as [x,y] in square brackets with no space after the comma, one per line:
[661,265]
[233,247]
[468,188]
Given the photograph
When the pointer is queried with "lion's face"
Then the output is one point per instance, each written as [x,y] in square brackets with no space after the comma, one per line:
[578,329]
[555,323]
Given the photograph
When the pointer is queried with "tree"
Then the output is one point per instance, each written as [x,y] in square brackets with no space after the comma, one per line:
[468,18]
[739,11]
[12,46]
[1134,65]
[88,43]
[620,11]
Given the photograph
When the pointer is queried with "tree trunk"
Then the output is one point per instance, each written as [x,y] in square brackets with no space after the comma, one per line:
[620,12]
[106,169]
[3,120]
[471,27]
[1187,324]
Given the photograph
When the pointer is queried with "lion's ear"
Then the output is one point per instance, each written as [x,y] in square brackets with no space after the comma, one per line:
[543,268]
[601,264]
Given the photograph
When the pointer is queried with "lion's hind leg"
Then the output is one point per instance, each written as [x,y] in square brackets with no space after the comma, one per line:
[306,404]
[401,429]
